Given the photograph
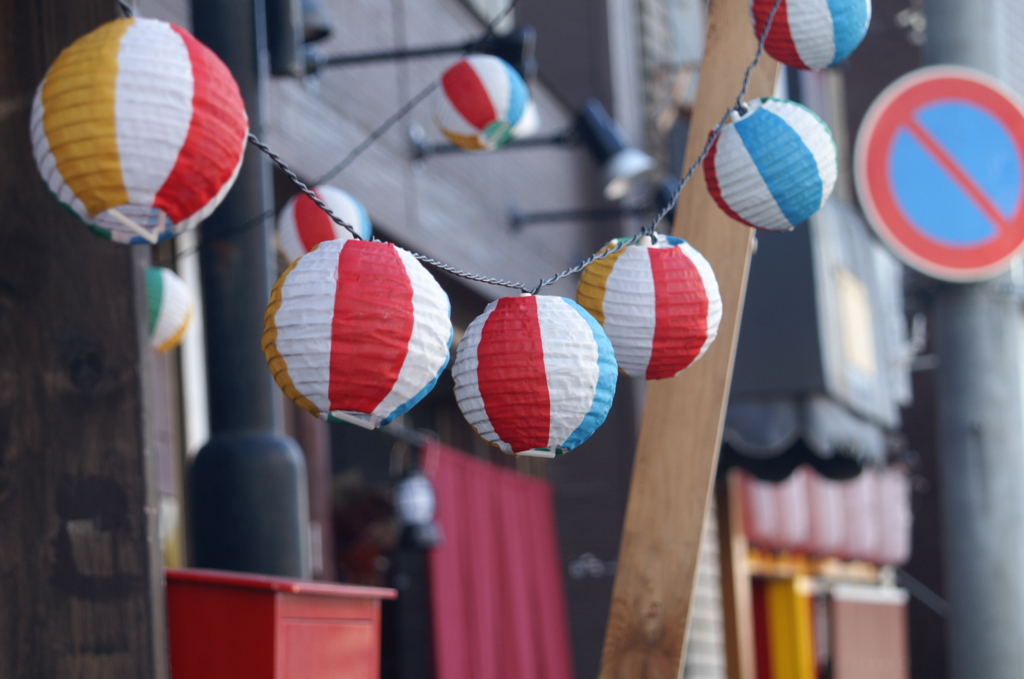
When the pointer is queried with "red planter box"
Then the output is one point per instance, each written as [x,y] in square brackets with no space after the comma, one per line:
[224,625]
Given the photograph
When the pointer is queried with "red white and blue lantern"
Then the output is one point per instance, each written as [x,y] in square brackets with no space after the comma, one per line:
[812,34]
[658,302]
[773,166]
[357,331]
[480,101]
[535,375]
[302,225]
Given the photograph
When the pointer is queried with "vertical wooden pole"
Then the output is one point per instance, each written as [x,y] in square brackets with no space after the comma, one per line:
[737,593]
[81,591]
[677,451]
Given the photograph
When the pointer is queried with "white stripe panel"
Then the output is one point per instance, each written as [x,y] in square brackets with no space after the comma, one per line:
[629,310]
[47,163]
[810,25]
[741,184]
[467,384]
[714,316]
[304,322]
[342,205]
[816,138]
[428,345]
[153,106]
[494,77]
[175,307]
[288,241]
[570,361]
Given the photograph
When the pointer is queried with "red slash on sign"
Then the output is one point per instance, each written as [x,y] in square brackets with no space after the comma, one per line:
[939,167]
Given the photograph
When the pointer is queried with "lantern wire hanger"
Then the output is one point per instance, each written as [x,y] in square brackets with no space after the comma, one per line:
[649,231]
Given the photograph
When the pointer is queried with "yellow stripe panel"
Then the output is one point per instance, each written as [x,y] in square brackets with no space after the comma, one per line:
[278,366]
[465,141]
[78,115]
[593,280]
[790,630]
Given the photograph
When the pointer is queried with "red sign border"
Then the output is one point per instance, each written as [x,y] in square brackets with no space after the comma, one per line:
[872,145]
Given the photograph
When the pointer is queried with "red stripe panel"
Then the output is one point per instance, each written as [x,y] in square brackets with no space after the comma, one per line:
[681,308]
[780,41]
[213,144]
[372,325]
[312,223]
[714,188]
[468,96]
[511,374]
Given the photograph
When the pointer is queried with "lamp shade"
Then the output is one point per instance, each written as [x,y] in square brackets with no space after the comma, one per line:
[812,34]
[658,303]
[302,225]
[535,375]
[357,331]
[170,308]
[773,166]
[139,130]
[480,100]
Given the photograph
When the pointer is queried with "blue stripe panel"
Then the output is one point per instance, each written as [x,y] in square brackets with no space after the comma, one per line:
[931,200]
[365,226]
[607,377]
[518,94]
[850,19]
[786,165]
[673,241]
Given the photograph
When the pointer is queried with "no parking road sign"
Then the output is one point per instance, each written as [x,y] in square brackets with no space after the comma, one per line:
[939,168]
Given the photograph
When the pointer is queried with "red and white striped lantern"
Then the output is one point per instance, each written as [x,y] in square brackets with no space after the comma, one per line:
[535,375]
[357,331]
[812,34]
[658,302]
[302,225]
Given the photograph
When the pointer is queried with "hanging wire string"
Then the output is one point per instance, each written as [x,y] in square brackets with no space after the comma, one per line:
[126,9]
[648,231]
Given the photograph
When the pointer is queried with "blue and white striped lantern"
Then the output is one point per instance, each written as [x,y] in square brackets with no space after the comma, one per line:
[812,34]
[773,166]
[535,375]
[480,102]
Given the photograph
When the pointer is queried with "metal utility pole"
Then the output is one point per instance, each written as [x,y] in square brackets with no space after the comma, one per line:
[248,490]
[978,339]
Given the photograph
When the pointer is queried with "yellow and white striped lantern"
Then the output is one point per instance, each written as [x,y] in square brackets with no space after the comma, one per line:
[170,308]
[139,130]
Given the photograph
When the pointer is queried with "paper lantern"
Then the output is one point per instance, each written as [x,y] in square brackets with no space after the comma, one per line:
[170,308]
[357,331]
[812,34]
[535,375]
[480,100]
[773,166]
[138,129]
[658,303]
[302,224]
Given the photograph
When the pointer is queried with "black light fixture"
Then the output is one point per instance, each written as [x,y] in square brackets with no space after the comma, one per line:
[650,206]
[622,164]
[518,48]
[292,26]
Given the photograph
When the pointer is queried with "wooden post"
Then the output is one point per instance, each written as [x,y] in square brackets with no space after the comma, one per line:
[677,451]
[81,582]
[737,591]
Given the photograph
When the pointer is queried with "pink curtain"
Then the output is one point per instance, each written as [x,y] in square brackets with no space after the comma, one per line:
[496,587]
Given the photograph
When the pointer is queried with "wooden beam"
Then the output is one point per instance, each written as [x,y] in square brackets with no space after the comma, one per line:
[81,581]
[681,432]
[737,592]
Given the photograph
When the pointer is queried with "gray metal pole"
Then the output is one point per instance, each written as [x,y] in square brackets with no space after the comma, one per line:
[978,339]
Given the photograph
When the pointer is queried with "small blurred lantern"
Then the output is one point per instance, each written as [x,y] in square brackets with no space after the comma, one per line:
[357,331]
[812,34]
[658,302]
[170,308]
[139,129]
[416,504]
[772,166]
[481,99]
[535,375]
[302,225]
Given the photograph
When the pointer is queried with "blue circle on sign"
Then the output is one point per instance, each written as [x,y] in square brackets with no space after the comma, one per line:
[955,170]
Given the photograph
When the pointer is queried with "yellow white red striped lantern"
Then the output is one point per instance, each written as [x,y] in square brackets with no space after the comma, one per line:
[357,331]
[772,166]
[139,129]
[302,225]
[658,302]
[481,101]
[170,308]
[535,375]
